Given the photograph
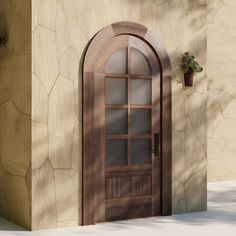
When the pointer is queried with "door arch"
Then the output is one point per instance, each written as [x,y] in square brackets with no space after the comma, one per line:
[121,178]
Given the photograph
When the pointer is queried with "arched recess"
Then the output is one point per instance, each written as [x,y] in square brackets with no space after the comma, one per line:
[104,44]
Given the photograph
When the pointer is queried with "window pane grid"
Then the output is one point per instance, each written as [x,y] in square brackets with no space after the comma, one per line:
[132,139]
[141,151]
[116,91]
[139,63]
[141,91]
[137,106]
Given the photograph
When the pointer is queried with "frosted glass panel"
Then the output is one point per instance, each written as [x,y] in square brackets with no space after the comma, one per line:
[139,64]
[116,121]
[140,121]
[140,91]
[140,151]
[116,91]
[117,63]
[116,152]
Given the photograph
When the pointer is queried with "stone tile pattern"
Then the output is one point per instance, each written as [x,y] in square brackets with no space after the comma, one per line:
[186,31]
[56,143]
[61,30]
[15,112]
[221,90]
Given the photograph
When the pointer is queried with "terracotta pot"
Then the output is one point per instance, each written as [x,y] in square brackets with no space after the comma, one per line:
[188,77]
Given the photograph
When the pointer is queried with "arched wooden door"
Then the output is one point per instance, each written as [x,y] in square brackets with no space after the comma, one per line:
[126,125]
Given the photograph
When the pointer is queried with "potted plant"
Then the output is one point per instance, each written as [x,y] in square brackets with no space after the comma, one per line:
[3,51]
[190,66]
[3,41]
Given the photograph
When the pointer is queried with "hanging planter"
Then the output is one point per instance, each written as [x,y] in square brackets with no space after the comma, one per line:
[3,50]
[188,77]
[3,41]
[190,66]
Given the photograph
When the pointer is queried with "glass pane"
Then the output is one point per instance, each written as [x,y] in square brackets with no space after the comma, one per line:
[140,91]
[139,63]
[140,151]
[140,121]
[116,91]
[116,121]
[116,152]
[117,63]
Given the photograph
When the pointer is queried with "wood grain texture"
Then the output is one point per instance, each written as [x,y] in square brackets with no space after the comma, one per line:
[161,96]
[93,198]
[127,186]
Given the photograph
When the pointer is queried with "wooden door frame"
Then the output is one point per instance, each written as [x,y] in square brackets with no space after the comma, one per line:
[93,204]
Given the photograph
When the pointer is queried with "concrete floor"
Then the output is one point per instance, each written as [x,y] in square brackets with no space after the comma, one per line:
[220,219]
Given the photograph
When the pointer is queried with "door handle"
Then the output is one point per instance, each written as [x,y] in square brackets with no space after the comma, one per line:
[155,150]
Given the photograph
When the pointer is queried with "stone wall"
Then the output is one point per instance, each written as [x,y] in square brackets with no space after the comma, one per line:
[61,30]
[188,33]
[15,111]
[221,90]
[56,122]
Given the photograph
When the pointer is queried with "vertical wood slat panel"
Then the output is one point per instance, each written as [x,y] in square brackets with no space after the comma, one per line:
[132,188]
[116,187]
[124,186]
[129,186]
[149,190]
[137,186]
[109,188]
[144,183]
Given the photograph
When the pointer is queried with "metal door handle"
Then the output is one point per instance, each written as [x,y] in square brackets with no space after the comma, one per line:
[155,150]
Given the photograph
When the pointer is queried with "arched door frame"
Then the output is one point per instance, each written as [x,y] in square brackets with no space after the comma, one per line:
[91,201]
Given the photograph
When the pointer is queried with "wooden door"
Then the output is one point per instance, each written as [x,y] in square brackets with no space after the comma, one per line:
[122,132]
[132,123]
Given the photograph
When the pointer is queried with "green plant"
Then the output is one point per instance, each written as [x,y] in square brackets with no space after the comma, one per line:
[189,62]
[3,41]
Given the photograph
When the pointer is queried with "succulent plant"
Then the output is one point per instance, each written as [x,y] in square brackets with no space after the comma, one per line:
[3,41]
[189,62]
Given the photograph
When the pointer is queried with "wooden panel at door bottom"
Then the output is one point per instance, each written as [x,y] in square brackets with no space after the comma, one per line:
[128,186]
[128,193]
[127,208]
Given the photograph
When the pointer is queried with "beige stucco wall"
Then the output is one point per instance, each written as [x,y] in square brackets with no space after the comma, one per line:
[47,141]
[184,29]
[15,111]
[61,29]
[221,90]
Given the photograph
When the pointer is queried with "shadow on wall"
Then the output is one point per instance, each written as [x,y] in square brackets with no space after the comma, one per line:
[15,111]
[197,47]
[49,204]
[195,33]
